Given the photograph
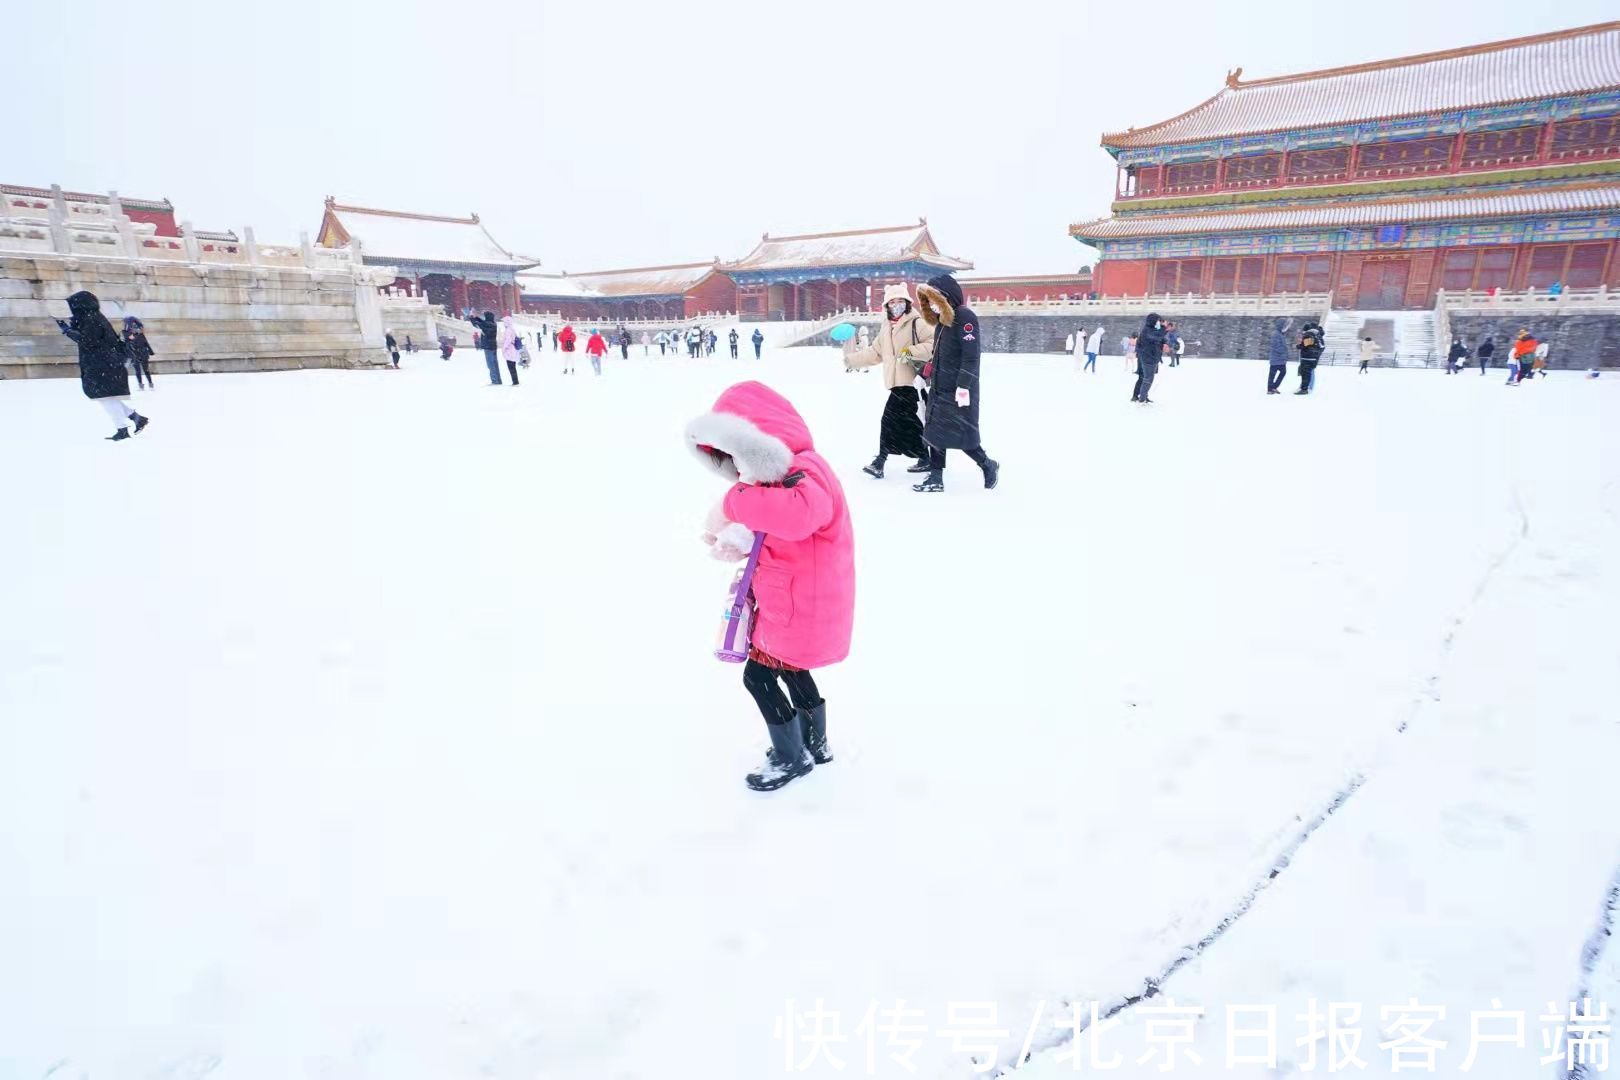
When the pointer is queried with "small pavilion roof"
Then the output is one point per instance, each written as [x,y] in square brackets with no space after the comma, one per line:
[396,234]
[1576,61]
[1565,200]
[898,243]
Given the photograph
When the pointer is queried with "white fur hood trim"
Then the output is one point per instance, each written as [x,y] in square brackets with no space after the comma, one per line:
[755,456]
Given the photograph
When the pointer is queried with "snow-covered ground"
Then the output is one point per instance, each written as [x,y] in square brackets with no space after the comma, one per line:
[364,724]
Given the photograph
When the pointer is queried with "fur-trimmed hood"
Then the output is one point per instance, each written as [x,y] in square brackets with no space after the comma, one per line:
[752,434]
[939,299]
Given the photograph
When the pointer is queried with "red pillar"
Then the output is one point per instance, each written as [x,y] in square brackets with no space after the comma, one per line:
[1456,152]
[1546,141]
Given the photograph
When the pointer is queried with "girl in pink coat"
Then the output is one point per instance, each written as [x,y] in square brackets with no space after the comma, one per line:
[804,586]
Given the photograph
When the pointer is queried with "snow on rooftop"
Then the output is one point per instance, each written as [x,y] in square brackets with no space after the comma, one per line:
[1574,61]
[895,244]
[389,234]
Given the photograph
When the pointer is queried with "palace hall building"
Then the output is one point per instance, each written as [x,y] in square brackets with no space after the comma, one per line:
[1494,166]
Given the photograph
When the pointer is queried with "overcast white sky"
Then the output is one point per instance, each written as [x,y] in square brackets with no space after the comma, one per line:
[609,133]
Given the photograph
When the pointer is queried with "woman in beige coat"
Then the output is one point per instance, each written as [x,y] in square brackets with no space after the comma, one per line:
[902,344]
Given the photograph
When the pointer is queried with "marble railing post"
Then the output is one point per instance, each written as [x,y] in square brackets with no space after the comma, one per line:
[189,238]
[250,246]
[58,226]
[309,252]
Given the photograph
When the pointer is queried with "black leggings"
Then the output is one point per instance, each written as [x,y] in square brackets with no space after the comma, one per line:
[511,365]
[936,457]
[763,684]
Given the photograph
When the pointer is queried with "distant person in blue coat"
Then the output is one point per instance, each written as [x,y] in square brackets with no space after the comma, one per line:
[758,339]
[1277,353]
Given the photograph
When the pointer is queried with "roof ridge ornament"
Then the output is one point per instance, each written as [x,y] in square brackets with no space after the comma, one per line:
[1234,77]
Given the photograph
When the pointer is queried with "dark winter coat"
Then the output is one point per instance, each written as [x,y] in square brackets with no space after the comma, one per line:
[1310,341]
[487,334]
[956,365]
[1459,351]
[1487,349]
[1278,353]
[135,340]
[101,351]
[1150,341]
[388,340]
[759,337]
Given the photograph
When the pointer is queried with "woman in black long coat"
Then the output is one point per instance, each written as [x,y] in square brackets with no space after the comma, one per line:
[1149,351]
[101,362]
[953,404]
[140,351]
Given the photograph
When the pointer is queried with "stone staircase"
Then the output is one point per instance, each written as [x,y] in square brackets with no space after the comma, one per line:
[1404,338]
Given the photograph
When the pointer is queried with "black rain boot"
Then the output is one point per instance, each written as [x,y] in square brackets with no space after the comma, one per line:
[140,423]
[121,434]
[876,468]
[921,466]
[814,723]
[787,760]
[934,482]
[992,473]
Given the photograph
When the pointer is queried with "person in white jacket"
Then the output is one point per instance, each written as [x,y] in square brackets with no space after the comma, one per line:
[902,345]
[1093,347]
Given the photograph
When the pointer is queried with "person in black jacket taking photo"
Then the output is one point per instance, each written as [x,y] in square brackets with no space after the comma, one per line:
[101,362]
[140,352]
[1149,351]
[1310,354]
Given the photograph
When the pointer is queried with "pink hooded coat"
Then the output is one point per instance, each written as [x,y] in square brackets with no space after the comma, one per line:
[804,587]
[508,340]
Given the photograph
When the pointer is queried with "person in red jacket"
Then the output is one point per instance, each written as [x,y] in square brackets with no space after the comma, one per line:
[565,343]
[594,348]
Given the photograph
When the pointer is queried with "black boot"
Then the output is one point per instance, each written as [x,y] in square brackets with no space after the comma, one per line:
[814,724]
[992,473]
[935,482]
[121,434]
[876,468]
[140,423]
[787,760]
[922,466]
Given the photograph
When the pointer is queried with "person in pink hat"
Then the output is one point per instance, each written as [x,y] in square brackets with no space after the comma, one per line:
[804,585]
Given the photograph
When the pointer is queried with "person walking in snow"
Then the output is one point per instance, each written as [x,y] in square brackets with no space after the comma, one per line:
[1149,351]
[663,342]
[1310,354]
[1524,352]
[393,348]
[759,340]
[952,422]
[565,340]
[1483,354]
[624,343]
[446,347]
[410,346]
[1173,345]
[1538,366]
[1456,356]
[140,351]
[488,341]
[646,344]
[1277,357]
[804,583]
[508,338]
[596,348]
[902,347]
[1128,349]
[102,375]
[732,338]
[714,341]
[1369,349]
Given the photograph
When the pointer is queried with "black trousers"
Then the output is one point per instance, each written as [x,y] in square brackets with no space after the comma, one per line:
[511,365]
[901,429]
[734,352]
[765,684]
[143,372]
[936,457]
[1144,381]
[1279,372]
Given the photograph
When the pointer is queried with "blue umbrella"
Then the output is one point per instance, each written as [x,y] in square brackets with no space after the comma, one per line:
[842,332]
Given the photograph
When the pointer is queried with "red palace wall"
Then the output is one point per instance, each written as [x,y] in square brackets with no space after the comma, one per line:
[163,219]
[1052,290]
[716,293]
[1382,280]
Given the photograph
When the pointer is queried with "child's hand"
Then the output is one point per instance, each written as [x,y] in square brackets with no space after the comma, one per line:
[733,543]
